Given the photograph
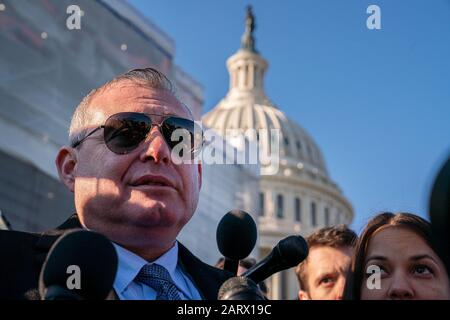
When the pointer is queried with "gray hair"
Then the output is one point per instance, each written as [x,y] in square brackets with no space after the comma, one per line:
[147,77]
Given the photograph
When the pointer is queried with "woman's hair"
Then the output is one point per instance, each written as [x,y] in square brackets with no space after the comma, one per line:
[383,220]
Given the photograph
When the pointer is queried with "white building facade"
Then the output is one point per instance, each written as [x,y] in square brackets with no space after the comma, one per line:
[46,71]
[299,196]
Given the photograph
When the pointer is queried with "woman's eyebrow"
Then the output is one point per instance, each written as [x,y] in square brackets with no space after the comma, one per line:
[382,258]
[422,256]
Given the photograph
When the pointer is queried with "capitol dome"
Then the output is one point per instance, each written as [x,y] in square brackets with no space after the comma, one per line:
[300,196]
[296,145]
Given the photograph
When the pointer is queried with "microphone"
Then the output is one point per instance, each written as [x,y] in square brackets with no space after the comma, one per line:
[240,288]
[236,237]
[81,265]
[288,253]
[440,213]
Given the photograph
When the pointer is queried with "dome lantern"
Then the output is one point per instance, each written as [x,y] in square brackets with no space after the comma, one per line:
[246,66]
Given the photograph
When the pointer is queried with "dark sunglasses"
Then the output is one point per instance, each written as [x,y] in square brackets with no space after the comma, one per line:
[123,132]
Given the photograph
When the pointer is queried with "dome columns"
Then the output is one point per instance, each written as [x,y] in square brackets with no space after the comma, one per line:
[247,71]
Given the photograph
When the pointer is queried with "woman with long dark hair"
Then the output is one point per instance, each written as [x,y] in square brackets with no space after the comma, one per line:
[395,258]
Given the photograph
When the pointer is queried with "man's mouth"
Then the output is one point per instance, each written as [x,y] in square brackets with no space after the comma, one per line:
[152,181]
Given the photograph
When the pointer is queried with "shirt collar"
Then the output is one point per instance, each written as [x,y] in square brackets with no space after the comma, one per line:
[130,264]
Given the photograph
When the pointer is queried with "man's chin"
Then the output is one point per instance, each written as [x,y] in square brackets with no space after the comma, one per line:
[143,205]
[152,214]
[146,242]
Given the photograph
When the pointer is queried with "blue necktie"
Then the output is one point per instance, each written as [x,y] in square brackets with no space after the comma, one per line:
[158,278]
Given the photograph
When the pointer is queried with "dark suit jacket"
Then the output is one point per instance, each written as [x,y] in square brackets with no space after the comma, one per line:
[22,255]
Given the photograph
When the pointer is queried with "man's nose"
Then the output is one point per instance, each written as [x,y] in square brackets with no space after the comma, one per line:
[400,287]
[155,148]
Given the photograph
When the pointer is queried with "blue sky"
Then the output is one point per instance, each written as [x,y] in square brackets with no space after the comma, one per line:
[377,102]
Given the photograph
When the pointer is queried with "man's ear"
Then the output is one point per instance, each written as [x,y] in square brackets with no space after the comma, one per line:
[303,295]
[66,161]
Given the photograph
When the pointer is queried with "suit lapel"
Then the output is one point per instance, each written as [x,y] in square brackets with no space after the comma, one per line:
[206,278]
[48,238]
[42,246]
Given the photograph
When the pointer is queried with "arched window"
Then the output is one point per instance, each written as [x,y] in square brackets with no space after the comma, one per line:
[284,275]
[261,204]
[313,214]
[241,77]
[280,206]
[246,76]
[298,209]
[338,217]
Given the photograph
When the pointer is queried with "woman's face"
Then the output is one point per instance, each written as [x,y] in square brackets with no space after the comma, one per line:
[409,268]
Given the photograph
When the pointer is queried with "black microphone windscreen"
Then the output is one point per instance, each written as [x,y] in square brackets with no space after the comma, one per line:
[236,235]
[288,253]
[293,250]
[240,288]
[90,253]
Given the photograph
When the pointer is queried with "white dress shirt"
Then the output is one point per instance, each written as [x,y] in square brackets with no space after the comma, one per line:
[129,266]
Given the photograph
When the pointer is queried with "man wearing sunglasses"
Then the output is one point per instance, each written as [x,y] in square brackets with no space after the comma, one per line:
[122,165]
